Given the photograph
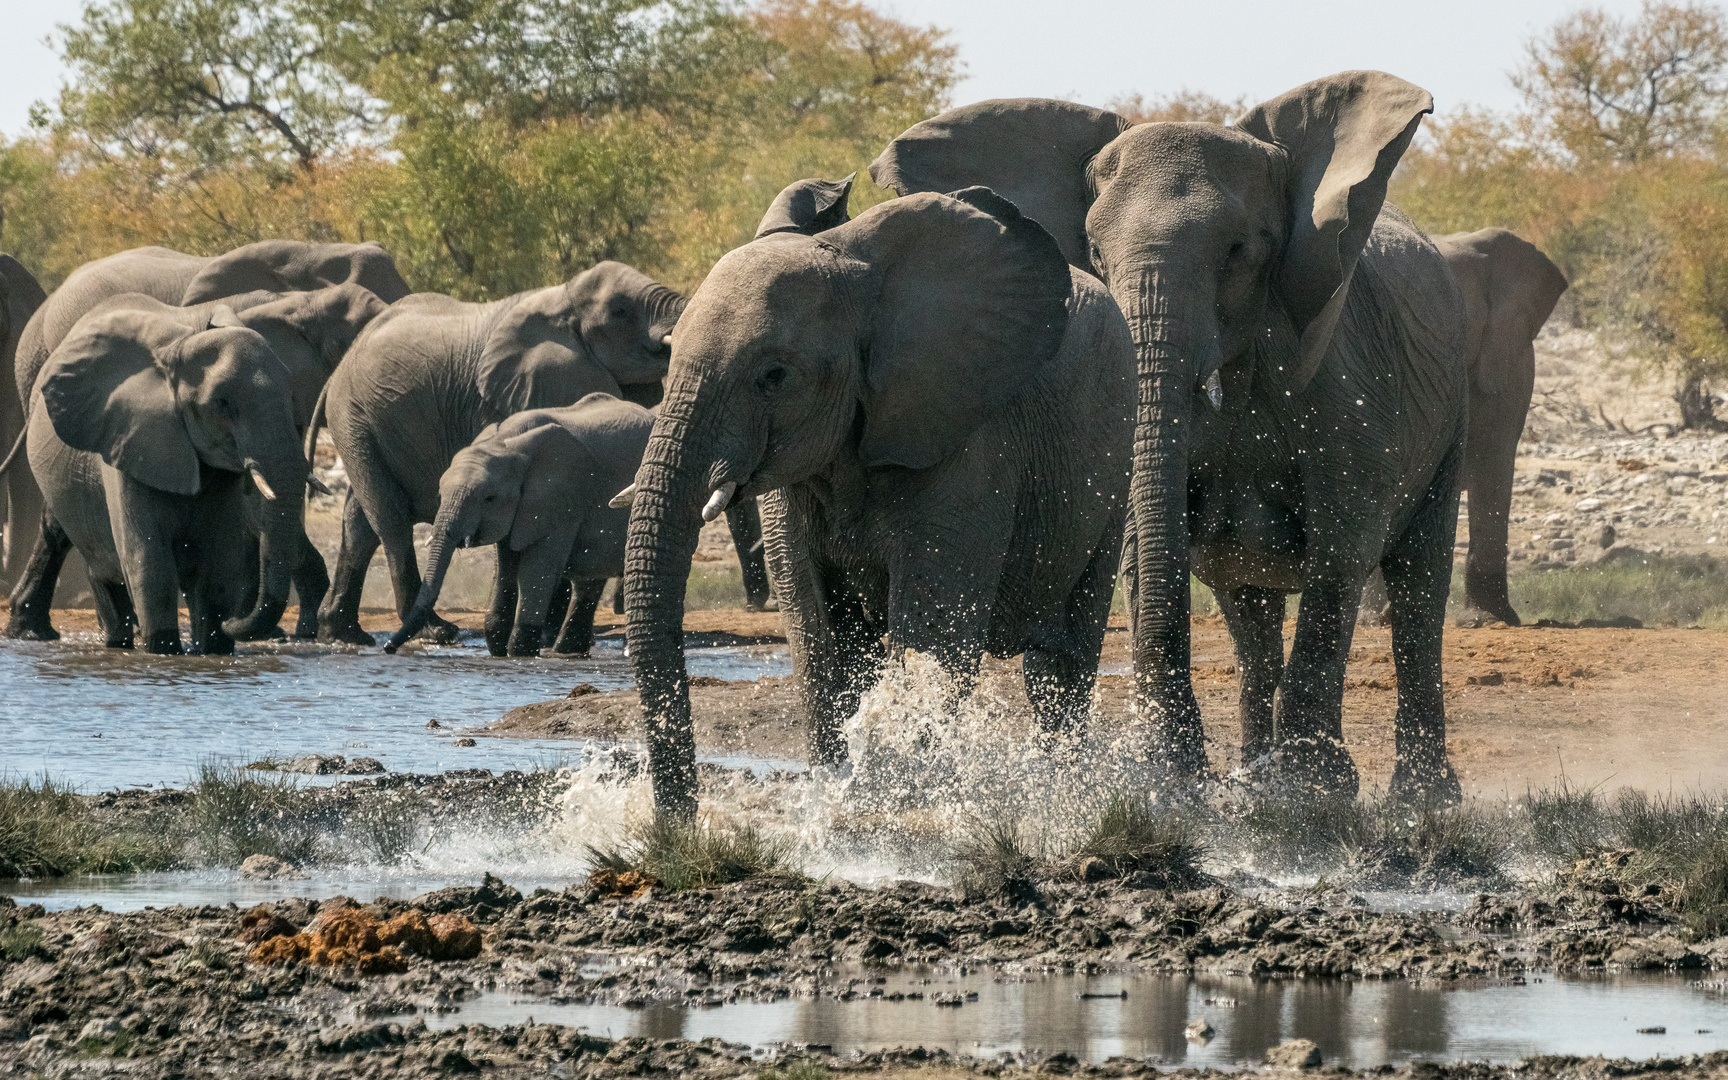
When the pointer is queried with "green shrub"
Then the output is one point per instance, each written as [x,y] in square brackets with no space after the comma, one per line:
[47,830]
[235,814]
[694,856]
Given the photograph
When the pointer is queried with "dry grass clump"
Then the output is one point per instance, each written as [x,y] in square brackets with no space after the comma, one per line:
[235,813]
[1127,839]
[354,937]
[46,830]
[694,855]
[991,859]
[1376,843]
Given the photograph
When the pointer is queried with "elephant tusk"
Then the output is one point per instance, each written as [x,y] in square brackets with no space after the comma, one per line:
[666,341]
[318,485]
[717,501]
[264,487]
[1215,390]
[623,498]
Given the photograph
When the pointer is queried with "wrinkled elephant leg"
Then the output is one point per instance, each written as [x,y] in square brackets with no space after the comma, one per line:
[1491,458]
[339,615]
[251,576]
[33,595]
[1374,610]
[558,610]
[1309,717]
[311,583]
[577,638]
[1418,578]
[539,576]
[501,616]
[744,521]
[1059,681]
[114,614]
[1256,620]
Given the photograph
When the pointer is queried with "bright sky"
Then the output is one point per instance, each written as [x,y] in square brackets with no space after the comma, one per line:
[1091,50]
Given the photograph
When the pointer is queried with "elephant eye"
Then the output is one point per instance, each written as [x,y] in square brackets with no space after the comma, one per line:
[771,379]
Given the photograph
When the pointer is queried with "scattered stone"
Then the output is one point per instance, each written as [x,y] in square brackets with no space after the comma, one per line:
[612,882]
[582,690]
[316,764]
[1606,536]
[363,766]
[464,742]
[1492,678]
[101,1028]
[433,725]
[263,923]
[268,868]
[1658,1030]
[1294,1054]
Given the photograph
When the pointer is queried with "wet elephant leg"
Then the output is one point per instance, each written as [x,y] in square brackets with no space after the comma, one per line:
[501,616]
[744,521]
[33,595]
[311,583]
[114,613]
[1256,619]
[617,596]
[339,615]
[1309,717]
[558,611]
[251,576]
[578,636]
[1060,670]
[1491,457]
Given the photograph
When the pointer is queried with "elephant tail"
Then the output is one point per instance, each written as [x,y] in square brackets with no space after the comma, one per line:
[315,425]
[15,453]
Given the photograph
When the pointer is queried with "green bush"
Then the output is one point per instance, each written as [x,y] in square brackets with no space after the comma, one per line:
[694,856]
[46,830]
[1657,590]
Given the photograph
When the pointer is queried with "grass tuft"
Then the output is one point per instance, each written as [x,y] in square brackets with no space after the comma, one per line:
[1129,837]
[235,814]
[695,856]
[47,830]
[1382,844]
[1657,590]
[21,941]
[991,860]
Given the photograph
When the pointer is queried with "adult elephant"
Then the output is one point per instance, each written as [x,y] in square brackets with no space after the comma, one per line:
[427,376]
[36,548]
[1302,392]
[1510,288]
[935,412]
[20,296]
[143,431]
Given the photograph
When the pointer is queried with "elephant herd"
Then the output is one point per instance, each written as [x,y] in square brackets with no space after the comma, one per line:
[1071,350]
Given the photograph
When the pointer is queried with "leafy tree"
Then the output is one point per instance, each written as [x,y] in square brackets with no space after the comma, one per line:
[1184,106]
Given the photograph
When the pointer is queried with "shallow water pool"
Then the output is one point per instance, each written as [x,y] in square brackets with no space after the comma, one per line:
[1359,1024]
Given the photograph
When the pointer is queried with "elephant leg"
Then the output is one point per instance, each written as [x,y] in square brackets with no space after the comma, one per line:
[1061,673]
[153,579]
[33,595]
[577,638]
[1309,717]
[1373,611]
[1491,457]
[501,616]
[744,521]
[210,567]
[251,576]
[558,608]
[339,615]
[1255,616]
[1418,578]
[311,583]
[617,596]
[538,576]
[114,613]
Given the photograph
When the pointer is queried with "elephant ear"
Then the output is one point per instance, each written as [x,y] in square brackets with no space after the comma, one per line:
[965,300]
[551,489]
[222,317]
[1031,151]
[808,207]
[533,358]
[1343,135]
[20,296]
[108,389]
[1523,287]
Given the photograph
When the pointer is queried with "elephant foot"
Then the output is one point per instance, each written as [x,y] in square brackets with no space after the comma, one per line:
[574,650]
[525,641]
[1317,769]
[1178,751]
[242,632]
[31,630]
[306,627]
[348,634]
[1474,616]
[1428,784]
[120,641]
[498,636]
[164,643]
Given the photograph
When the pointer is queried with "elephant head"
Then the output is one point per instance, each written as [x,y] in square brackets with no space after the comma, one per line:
[883,342]
[297,266]
[161,402]
[1230,252]
[479,497]
[606,328]
[310,332]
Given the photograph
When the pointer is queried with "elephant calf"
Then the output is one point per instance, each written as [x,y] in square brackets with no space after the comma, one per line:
[538,485]
[142,431]
[937,414]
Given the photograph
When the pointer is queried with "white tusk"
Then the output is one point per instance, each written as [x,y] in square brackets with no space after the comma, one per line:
[623,498]
[1215,390]
[318,485]
[667,340]
[717,501]
[264,488]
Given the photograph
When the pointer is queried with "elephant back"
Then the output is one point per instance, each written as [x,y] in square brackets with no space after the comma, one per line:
[296,266]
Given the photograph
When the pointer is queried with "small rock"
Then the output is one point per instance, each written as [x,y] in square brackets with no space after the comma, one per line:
[1658,1030]
[1493,678]
[433,725]
[1200,1031]
[1606,536]
[105,1027]
[582,690]
[316,764]
[464,742]
[268,868]
[1093,868]
[362,766]
[1294,1054]
[1587,505]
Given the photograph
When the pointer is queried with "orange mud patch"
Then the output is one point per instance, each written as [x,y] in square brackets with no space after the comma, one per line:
[353,937]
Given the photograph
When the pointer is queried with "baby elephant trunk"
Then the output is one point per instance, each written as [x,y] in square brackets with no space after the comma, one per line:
[454,525]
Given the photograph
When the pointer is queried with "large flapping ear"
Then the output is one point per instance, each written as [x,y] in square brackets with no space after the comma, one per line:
[964,300]
[1031,151]
[808,207]
[329,320]
[533,357]
[20,296]
[1519,286]
[108,389]
[553,484]
[1344,135]
[296,266]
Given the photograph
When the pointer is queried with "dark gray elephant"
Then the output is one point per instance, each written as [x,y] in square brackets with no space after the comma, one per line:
[538,485]
[935,413]
[33,563]
[427,377]
[20,296]
[1302,392]
[142,434]
[1510,288]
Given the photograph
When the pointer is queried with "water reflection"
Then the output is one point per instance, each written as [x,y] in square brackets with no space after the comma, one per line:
[1358,1024]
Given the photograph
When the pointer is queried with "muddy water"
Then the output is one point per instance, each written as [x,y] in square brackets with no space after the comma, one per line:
[1360,1024]
[97,718]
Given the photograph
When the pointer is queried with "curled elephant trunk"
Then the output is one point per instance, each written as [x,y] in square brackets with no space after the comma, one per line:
[1174,344]
[282,535]
[665,520]
[454,524]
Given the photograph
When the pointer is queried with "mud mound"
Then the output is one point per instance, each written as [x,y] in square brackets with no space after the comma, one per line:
[356,938]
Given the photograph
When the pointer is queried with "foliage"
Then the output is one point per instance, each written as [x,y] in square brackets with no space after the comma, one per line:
[1375,843]
[1184,106]
[686,855]
[235,814]
[1131,837]
[1657,590]
[46,830]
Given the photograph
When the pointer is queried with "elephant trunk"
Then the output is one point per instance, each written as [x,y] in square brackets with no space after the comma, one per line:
[282,532]
[1174,344]
[450,530]
[665,520]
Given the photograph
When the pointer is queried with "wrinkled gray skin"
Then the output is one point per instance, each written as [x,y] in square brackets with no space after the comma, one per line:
[425,379]
[1260,253]
[935,413]
[20,296]
[537,485]
[35,550]
[142,431]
